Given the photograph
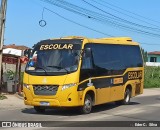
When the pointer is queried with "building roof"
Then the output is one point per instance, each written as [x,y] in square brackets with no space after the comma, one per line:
[154,53]
[13,46]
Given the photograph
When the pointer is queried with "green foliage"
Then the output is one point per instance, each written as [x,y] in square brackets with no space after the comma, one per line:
[145,55]
[10,74]
[152,77]
[2,97]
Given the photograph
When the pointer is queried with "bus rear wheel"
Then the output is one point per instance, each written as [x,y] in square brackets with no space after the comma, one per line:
[39,109]
[127,97]
[88,103]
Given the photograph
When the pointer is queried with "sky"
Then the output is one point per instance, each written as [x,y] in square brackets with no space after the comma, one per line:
[23,16]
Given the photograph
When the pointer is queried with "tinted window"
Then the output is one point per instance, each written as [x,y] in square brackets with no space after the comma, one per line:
[112,59]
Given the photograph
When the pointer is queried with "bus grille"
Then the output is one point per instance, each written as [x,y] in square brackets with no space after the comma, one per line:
[45,89]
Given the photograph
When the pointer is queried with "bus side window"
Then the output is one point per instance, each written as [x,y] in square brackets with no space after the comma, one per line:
[87,62]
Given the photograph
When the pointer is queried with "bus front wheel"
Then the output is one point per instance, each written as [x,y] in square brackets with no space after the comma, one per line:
[87,107]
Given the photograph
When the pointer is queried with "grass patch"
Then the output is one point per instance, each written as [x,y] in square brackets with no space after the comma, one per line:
[2,97]
[152,77]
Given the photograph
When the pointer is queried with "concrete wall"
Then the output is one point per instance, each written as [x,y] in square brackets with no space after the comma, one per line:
[9,81]
[12,67]
[152,63]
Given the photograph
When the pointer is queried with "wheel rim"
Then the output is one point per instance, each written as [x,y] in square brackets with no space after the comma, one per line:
[127,96]
[88,105]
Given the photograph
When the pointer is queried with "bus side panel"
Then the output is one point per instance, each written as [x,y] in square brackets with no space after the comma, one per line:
[117,93]
[103,95]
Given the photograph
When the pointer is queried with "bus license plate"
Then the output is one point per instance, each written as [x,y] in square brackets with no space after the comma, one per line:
[44,103]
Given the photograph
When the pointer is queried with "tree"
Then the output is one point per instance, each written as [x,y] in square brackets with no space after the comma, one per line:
[145,55]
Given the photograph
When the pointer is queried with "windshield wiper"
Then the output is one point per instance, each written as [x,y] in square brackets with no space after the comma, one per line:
[59,67]
[38,67]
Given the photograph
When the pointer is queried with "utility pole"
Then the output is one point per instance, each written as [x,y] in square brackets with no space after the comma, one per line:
[2,28]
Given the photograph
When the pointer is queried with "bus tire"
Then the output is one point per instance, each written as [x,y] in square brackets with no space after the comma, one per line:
[127,97]
[88,103]
[39,109]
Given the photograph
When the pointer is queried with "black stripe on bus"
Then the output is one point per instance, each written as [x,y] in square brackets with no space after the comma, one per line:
[106,82]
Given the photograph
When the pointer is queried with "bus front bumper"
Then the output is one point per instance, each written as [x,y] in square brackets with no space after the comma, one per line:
[40,102]
[50,103]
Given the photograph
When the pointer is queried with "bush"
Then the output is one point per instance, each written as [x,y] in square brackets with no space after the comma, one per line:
[152,77]
[2,97]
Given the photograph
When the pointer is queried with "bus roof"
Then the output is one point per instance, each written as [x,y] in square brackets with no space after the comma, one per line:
[106,38]
[112,40]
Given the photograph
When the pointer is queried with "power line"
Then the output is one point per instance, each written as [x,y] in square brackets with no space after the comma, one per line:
[129,11]
[96,16]
[149,44]
[77,23]
[118,18]
[88,27]
[143,43]
[45,8]
[120,12]
[82,10]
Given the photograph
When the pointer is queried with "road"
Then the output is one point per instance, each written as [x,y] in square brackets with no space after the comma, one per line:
[145,107]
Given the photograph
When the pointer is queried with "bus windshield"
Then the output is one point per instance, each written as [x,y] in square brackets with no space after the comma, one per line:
[53,62]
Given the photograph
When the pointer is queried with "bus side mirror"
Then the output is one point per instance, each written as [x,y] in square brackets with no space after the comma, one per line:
[88,52]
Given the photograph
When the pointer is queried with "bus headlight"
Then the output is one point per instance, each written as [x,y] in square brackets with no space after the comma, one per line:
[68,86]
[26,86]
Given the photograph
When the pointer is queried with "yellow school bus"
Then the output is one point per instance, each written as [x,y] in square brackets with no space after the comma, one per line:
[82,72]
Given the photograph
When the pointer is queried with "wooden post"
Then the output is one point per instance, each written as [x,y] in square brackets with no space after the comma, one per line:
[16,75]
[19,82]
[2,28]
